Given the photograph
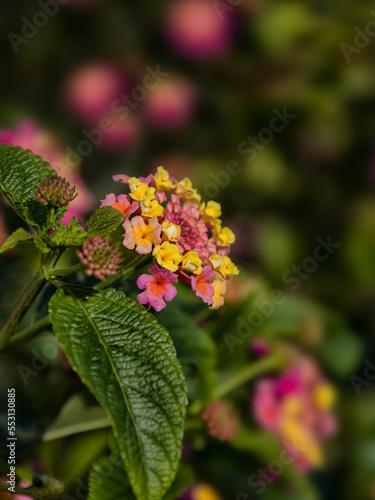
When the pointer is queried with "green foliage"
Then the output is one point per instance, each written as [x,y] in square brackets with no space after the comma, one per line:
[129,363]
[109,480]
[77,416]
[72,235]
[19,236]
[71,457]
[104,221]
[21,173]
[195,350]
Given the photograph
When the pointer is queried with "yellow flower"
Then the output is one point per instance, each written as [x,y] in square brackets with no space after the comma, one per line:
[162,179]
[141,235]
[204,492]
[171,231]
[227,267]
[151,208]
[212,210]
[293,432]
[225,237]
[140,190]
[216,261]
[168,255]
[192,262]
[186,190]
[324,396]
[220,287]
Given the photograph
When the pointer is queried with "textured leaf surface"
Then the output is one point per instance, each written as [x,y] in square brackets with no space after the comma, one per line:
[21,172]
[108,481]
[19,236]
[104,221]
[129,363]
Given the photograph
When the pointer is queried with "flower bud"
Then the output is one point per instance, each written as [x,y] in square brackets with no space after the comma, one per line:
[100,257]
[56,191]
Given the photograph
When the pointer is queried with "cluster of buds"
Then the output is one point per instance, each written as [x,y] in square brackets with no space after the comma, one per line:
[167,219]
[56,191]
[222,420]
[100,257]
[296,406]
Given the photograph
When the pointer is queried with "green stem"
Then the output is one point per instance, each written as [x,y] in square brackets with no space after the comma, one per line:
[17,489]
[27,334]
[23,305]
[65,270]
[27,298]
[249,372]
[51,216]
[34,330]
[127,271]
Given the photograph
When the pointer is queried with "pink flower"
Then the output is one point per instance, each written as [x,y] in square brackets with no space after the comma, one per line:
[158,288]
[29,135]
[122,203]
[170,104]
[141,235]
[201,287]
[91,89]
[266,407]
[297,407]
[260,347]
[194,231]
[122,134]
[195,29]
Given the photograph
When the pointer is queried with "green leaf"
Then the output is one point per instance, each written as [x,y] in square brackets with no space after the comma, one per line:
[72,456]
[129,363]
[108,481]
[104,221]
[195,350]
[19,236]
[77,416]
[21,172]
[183,480]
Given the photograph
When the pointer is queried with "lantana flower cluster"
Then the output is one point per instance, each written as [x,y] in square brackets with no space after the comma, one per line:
[167,219]
[222,420]
[296,406]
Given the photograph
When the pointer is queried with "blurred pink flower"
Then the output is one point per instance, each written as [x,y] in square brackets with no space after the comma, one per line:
[222,421]
[260,347]
[297,407]
[124,133]
[24,484]
[29,135]
[90,89]
[171,104]
[196,29]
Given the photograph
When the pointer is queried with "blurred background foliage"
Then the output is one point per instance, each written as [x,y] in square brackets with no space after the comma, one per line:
[230,65]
